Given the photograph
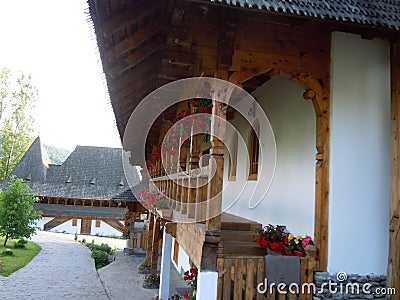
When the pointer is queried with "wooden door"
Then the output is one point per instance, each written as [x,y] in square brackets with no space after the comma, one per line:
[86,226]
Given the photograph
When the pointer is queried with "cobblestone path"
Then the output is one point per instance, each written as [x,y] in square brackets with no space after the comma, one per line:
[62,270]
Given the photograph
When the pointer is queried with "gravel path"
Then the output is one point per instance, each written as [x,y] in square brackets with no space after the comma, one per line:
[62,270]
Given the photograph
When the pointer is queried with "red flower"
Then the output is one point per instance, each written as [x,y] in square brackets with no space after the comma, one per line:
[276,246]
[186,295]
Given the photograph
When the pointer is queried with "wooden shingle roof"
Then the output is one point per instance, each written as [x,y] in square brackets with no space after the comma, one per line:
[383,13]
[94,173]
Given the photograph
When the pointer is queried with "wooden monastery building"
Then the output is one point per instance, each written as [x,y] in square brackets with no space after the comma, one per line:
[86,194]
[316,150]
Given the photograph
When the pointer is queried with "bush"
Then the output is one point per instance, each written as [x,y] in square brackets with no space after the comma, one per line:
[6,252]
[102,247]
[100,258]
[21,244]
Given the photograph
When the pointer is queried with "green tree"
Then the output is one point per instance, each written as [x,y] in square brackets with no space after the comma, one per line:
[17,214]
[17,103]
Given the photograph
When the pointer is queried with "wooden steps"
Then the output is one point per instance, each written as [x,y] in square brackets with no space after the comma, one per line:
[238,236]
[242,248]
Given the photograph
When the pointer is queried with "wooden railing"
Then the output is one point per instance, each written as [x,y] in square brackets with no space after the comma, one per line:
[239,276]
[187,192]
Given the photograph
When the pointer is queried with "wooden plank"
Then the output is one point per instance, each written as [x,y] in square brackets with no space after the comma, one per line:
[238,284]
[129,16]
[221,273]
[227,280]
[303,275]
[260,276]
[136,57]
[250,274]
[142,34]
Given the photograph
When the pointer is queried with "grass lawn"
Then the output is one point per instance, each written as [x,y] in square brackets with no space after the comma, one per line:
[19,258]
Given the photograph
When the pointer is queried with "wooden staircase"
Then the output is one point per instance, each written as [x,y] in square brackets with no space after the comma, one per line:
[238,236]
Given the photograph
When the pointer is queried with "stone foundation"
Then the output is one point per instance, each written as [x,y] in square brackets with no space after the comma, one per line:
[351,286]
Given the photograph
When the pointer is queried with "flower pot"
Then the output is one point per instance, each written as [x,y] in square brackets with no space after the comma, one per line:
[299,253]
[288,252]
[272,252]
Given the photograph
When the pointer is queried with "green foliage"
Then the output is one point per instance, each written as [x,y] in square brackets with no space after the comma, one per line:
[17,103]
[57,155]
[103,247]
[100,258]
[21,244]
[6,252]
[17,215]
[19,258]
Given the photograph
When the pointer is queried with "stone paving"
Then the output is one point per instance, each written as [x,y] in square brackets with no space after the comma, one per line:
[65,270]
[122,280]
[62,270]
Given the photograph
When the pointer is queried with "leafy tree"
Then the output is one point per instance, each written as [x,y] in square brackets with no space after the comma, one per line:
[17,104]
[17,214]
[57,155]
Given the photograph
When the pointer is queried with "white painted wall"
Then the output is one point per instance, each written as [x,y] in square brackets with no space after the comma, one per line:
[360,155]
[183,259]
[290,200]
[103,230]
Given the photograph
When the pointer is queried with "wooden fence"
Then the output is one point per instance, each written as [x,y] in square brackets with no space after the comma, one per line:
[238,277]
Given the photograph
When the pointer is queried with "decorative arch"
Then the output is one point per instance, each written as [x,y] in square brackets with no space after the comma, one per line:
[316,86]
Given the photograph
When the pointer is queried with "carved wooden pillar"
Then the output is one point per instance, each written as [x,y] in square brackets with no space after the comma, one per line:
[132,234]
[155,246]
[394,227]
[150,239]
[218,127]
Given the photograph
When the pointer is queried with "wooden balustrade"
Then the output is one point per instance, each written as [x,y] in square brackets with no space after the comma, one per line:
[239,276]
[187,193]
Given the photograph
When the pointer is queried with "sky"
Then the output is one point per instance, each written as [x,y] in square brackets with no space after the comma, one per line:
[52,41]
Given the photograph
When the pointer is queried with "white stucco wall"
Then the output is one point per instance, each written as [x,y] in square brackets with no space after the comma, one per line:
[183,259]
[290,200]
[360,155]
[104,229]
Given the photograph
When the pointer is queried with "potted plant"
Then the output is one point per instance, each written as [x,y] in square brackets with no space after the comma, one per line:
[277,240]
[190,277]
[151,281]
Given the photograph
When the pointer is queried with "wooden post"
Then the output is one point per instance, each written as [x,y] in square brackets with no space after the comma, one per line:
[150,239]
[394,227]
[155,246]
[193,164]
[214,193]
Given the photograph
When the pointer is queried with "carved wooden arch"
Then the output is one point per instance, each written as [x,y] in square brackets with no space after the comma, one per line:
[318,93]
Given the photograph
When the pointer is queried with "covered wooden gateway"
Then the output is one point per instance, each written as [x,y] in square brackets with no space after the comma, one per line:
[86,194]
[146,44]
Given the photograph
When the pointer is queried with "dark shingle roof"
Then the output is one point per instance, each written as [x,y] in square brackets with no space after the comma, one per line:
[88,173]
[383,13]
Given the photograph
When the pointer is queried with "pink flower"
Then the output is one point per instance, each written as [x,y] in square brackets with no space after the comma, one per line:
[306,241]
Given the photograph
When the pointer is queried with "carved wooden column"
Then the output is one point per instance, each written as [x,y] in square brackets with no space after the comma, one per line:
[394,227]
[218,127]
[150,239]
[155,246]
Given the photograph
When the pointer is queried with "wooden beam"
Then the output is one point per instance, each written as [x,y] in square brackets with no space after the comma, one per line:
[135,74]
[130,15]
[139,55]
[136,39]
[394,226]
[55,222]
